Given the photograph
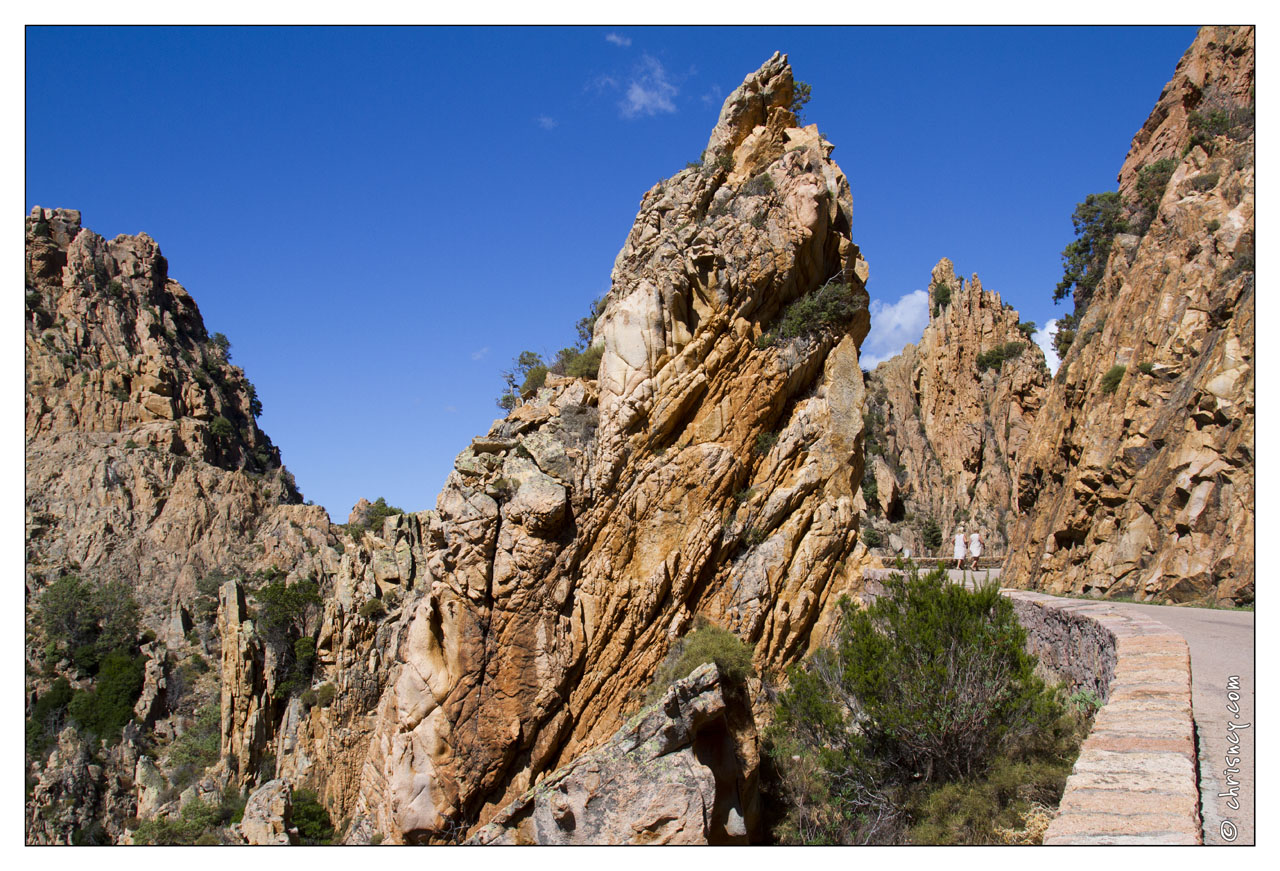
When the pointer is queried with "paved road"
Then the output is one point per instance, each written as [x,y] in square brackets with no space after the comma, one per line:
[1221,644]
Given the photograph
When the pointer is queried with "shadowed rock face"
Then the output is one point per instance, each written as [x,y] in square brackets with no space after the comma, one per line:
[576,540]
[947,433]
[682,771]
[1149,490]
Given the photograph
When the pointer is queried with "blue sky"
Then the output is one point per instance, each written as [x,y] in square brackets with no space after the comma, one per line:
[381,219]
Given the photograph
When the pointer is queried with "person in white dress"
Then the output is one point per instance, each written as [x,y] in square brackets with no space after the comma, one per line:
[958,553]
[975,548]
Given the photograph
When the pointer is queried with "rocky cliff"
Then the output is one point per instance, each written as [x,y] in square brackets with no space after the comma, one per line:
[1138,476]
[711,469]
[144,461]
[947,420]
[145,467]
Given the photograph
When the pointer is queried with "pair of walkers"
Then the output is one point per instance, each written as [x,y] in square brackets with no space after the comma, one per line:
[973,550]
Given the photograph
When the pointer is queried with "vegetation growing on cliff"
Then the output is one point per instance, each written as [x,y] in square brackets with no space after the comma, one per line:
[706,643]
[1096,221]
[995,358]
[529,371]
[831,307]
[923,723]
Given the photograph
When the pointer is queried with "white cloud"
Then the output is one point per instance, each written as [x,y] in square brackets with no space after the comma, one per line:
[546,122]
[1044,338]
[621,41]
[451,409]
[649,92]
[481,354]
[714,96]
[894,326]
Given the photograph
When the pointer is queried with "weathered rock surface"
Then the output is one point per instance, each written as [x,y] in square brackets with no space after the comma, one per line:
[144,461]
[572,544]
[268,816]
[144,464]
[944,433]
[682,771]
[1148,490]
[84,795]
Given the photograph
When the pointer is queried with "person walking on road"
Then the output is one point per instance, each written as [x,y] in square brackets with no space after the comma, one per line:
[958,552]
[975,548]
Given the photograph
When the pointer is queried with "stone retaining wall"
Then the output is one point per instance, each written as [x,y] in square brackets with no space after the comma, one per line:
[1135,780]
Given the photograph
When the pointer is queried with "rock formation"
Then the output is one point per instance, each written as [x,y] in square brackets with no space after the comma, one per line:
[584,532]
[682,771]
[1144,486]
[144,461]
[948,418]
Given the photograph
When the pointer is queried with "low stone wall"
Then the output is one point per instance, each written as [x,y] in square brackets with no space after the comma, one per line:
[1135,780]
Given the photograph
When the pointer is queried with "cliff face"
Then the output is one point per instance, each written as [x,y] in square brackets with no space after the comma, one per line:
[948,419]
[144,461]
[1145,486]
[704,473]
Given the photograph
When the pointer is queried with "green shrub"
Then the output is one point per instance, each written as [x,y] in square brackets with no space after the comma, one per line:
[195,825]
[870,491]
[753,536]
[1085,701]
[283,608]
[373,609]
[192,752]
[831,307]
[315,828]
[765,442]
[931,533]
[1064,334]
[706,643]
[766,340]
[46,717]
[1223,119]
[871,537]
[1204,182]
[1097,220]
[1028,329]
[586,364]
[759,186]
[995,358]
[104,710]
[325,694]
[223,344]
[928,687]
[1111,379]
[376,514]
[89,622]
[221,428]
[1152,181]
[1212,226]
[1242,262]
[743,495]
[941,297]
[1145,368]
[799,99]
[533,380]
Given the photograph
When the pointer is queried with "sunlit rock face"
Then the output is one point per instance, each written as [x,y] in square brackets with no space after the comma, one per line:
[1147,489]
[703,473]
[949,419]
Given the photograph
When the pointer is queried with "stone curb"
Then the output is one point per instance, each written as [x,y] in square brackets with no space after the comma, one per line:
[1135,780]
